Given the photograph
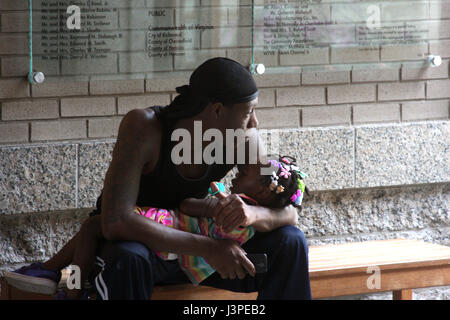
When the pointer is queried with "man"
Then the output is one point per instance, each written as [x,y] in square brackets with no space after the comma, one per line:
[223,95]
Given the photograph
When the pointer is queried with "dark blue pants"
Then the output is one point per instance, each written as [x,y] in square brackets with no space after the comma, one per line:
[129,270]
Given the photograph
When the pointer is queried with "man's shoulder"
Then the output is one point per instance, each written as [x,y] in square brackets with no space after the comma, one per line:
[143,116]
[141,123]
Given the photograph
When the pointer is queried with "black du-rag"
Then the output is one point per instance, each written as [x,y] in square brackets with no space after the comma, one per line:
[216,80]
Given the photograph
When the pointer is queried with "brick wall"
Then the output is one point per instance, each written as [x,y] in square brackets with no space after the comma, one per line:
[370,125]
[342,90]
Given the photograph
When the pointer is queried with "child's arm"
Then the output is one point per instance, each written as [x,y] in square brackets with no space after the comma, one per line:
[198,207]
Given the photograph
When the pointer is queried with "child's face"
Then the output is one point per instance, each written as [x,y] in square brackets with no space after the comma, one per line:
[248,181]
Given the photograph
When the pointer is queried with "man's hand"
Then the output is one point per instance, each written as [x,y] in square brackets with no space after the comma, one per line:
[231,211]
[229,259]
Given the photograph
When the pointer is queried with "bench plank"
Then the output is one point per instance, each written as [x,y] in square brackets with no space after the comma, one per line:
[190,292]
[386,254]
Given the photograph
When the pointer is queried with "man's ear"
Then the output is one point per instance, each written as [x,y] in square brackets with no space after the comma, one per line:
[216,110]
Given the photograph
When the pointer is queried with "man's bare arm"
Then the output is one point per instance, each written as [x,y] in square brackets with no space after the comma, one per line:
[263,219]
[231,212]
[198,207]
[139,137]
[268,219]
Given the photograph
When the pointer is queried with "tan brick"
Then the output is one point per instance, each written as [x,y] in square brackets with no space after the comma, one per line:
[79,107]
[104,127]
[327,115]
[353,54]
[222,3]
[136,18]
[441,48]
[240,16]
[414,73]
[60,88]
[301,96]
[49,66]
[229,37]
[365,113]
[14,88]
[404,11]
[353,12]
[13,132]
[401,91]
[335,33]
[351,93]
[169,84]
[135,62]
[204,16]
[438,89]
[15,22]
[15,66]
[194,59]
[13,5]
[425,110]
[89,65]
[266,98]
[30,110]
[325,77]
[58,130]
[440,10]
[244,57]
[117,86]
[304,57]
[126,104]
[14,44]
[437,29]
[404,52]
[376,75]
[278,80]
[278,118]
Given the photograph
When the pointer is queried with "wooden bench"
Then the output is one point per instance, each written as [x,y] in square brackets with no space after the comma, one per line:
[336,270]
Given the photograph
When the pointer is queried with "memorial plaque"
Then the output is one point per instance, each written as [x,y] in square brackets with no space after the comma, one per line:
[109,39]
[323,33]
[124,39]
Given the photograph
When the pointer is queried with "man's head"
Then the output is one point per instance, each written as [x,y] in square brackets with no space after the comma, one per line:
[231,93]
[221,93]
[231,116]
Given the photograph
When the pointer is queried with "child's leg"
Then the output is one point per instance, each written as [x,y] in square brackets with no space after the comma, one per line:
[43,277]
[63,257]
[85,250]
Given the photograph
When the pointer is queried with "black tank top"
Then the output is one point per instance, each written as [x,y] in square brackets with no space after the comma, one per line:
[165,187]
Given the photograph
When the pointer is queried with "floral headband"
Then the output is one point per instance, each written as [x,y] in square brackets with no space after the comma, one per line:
[286,167]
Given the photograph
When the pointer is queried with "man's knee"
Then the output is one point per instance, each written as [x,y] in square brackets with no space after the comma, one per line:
[119,250]
[126,271]
[292,238]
